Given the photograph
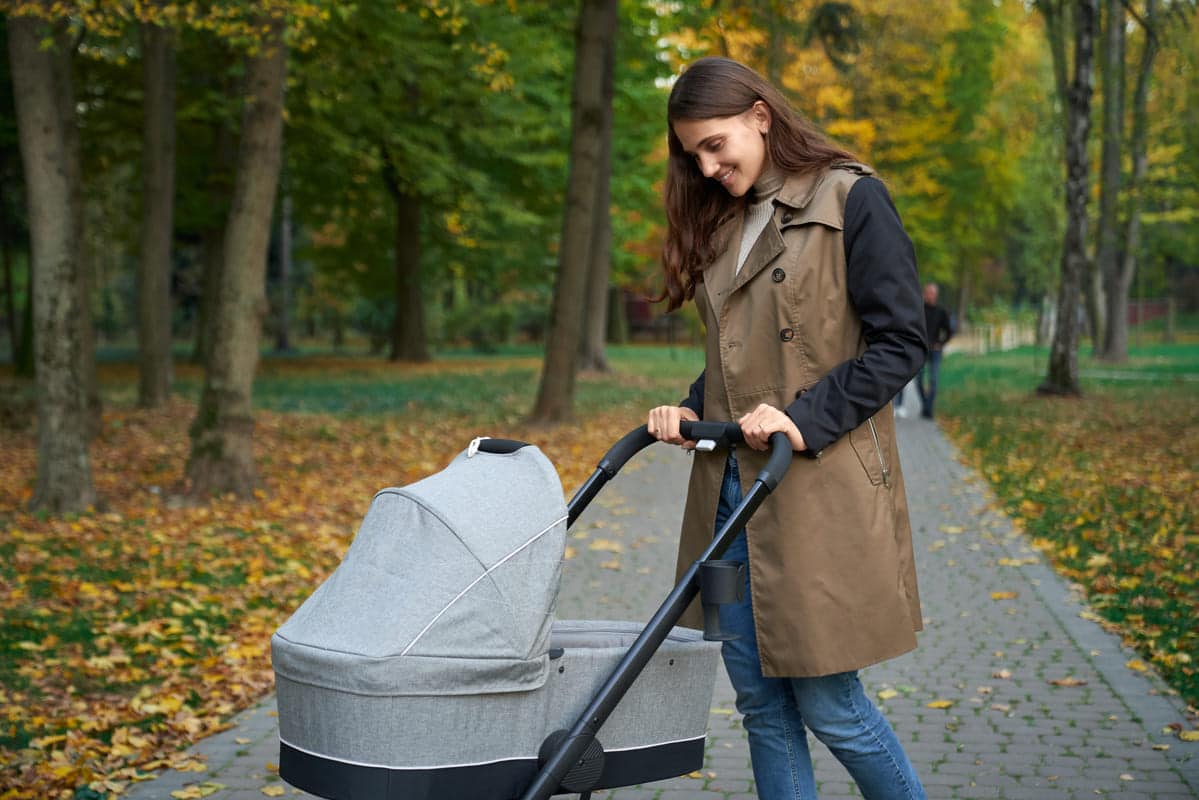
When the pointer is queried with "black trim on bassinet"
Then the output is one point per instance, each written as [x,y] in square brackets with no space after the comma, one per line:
[501,780]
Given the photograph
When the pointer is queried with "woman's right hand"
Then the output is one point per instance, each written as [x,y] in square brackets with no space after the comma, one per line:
[663,424]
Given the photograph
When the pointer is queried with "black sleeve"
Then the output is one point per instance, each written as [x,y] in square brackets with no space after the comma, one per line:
[695,397]
[885,292]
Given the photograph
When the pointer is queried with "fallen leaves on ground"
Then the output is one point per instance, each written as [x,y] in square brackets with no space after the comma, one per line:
[137,629]
[1068,681]
[1105,486]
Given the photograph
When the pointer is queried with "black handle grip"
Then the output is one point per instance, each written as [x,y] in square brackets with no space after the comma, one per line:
[723,433]
[779,461]
[726,433]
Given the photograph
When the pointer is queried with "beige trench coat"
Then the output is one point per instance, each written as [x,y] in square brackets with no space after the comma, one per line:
[831,565]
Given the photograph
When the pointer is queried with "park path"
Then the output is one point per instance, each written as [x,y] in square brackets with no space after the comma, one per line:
[1000,627]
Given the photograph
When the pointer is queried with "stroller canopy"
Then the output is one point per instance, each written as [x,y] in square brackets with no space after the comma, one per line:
[448,588]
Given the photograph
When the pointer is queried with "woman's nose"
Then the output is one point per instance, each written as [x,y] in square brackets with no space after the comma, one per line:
[708,165]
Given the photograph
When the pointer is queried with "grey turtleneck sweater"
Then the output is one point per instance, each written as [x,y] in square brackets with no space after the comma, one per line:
[758,213]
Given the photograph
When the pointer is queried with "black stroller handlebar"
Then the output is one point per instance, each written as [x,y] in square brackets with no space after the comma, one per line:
[567,751]
[711,434]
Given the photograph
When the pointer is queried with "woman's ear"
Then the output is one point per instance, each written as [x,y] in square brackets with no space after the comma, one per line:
[762,117]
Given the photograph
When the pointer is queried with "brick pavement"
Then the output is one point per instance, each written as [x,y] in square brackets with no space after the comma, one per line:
[1009,732]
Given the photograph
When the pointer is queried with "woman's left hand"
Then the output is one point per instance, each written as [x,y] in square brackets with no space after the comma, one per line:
[764,420]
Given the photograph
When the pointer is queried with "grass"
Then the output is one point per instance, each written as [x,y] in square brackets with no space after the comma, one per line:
[1105,484]
[459,383]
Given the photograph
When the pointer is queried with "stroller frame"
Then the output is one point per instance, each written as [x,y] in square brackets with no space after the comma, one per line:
[570,764]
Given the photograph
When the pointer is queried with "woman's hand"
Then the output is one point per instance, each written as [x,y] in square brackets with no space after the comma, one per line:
[663,424]
[764,420]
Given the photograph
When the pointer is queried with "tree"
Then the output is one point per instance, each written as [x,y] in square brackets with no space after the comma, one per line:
[158,204]
[592,350]
[1107,235]
[595,32]
[420,185]
[204,212]
[283,315]
[49,149]
[222,456]
[1075,93]
[1118,276]
[409,341]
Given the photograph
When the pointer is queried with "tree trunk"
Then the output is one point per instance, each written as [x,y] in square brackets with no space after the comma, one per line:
[1095,305]
[408,339]
[595,31]
[217,194]
[10,290]
[86,352]
[593,351]
[23,361]
[1107,251]
[64,475]
[1046,320]
[618,321]
[1116,343]
[158,204]
[211,260]
[222,456]
[283,317]
[1062,375]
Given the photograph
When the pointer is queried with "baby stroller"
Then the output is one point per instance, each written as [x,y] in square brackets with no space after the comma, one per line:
[429,665]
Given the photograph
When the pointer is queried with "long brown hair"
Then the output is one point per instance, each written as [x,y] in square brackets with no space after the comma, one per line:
[695,206]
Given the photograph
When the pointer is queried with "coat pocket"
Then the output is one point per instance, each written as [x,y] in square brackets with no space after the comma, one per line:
[872,456]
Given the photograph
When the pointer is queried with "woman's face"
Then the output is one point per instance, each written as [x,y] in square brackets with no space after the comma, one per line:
[729,150]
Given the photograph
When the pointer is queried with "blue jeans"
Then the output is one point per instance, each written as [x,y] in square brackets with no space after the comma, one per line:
[928,382]
[776,710]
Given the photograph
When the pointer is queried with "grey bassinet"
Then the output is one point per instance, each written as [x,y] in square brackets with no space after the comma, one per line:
[429,665]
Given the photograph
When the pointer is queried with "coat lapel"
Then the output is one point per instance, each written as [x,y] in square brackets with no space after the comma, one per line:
[764,250]
[718,277]
[789,206]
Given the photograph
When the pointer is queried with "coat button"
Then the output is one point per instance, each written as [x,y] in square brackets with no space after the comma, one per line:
[778,276]
[788,217]
[786,334]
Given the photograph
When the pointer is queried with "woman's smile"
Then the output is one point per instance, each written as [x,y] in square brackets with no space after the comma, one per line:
[739,139]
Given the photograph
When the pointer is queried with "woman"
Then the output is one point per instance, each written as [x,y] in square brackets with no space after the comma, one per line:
[806,282]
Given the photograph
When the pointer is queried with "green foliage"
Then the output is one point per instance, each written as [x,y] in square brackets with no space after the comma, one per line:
[978,184]
[466,111]
[638,135]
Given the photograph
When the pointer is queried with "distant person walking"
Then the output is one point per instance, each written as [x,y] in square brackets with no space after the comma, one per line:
[939,331]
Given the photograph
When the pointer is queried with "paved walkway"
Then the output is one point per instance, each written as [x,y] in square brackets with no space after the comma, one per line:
[1000,627]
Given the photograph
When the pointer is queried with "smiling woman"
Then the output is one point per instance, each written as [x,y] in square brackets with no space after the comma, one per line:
[806,284]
